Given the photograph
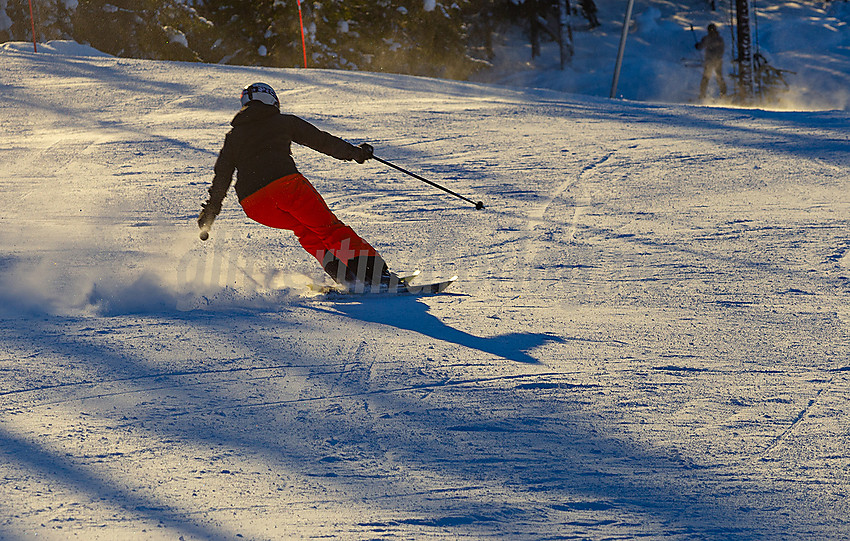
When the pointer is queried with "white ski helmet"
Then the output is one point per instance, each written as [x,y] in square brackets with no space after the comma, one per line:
[260,92]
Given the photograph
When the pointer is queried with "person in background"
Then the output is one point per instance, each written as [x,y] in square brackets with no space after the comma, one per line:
[713,47]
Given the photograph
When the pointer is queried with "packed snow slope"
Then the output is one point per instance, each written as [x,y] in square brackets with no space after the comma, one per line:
[649,337]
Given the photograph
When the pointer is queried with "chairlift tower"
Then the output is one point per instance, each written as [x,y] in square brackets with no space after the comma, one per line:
[746,66]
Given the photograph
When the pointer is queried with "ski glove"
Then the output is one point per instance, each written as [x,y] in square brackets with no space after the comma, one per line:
[208,214]
[365,152]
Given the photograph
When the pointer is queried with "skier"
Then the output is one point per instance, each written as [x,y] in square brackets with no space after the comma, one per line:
[589,9]
[272,191]
[713,45]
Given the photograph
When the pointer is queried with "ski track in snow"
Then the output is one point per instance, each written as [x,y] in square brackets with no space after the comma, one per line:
[648,337]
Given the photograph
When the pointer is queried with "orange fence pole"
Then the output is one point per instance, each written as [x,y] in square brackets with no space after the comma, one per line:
[303,41]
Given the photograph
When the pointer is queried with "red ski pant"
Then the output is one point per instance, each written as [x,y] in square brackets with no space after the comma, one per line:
[293,203]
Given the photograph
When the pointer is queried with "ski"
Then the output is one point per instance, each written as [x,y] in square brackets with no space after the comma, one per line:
[324,289]
[410,277]
[404,287]
[434,288]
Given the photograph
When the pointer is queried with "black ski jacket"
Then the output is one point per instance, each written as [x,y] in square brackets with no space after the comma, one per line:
[713,45]
[258,147]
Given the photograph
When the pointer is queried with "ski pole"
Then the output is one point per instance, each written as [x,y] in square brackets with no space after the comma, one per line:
[479,205]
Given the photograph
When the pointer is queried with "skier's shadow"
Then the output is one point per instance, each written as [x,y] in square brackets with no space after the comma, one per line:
[412,314]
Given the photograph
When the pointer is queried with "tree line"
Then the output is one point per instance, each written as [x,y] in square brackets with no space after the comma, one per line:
[449,39]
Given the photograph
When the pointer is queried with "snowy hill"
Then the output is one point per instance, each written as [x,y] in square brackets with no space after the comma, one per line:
[649,337]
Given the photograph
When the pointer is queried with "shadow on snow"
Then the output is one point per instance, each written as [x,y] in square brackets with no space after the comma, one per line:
[411,314]
[478,456]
